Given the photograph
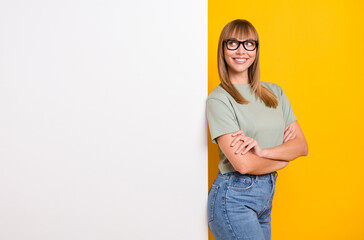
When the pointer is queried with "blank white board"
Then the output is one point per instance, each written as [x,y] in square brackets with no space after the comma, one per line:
[102,120]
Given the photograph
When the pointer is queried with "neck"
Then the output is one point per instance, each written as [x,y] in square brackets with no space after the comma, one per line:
[239,78]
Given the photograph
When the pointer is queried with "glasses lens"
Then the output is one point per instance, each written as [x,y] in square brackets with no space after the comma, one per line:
[250,45]
[232,44]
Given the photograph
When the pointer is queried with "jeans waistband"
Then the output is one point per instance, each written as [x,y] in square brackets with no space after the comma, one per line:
[266,177]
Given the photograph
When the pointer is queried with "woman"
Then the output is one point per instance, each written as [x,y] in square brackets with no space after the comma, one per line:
[257,133]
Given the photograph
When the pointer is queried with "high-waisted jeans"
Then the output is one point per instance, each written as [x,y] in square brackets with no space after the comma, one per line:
[240,205]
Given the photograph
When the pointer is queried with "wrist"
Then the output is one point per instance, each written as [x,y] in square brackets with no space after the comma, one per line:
[265,153]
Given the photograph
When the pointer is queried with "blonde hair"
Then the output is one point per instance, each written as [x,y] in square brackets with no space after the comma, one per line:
[242,27]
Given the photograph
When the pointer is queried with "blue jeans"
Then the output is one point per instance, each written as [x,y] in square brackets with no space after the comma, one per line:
[240,205]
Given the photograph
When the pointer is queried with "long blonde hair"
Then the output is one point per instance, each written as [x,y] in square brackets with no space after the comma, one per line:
[242,27]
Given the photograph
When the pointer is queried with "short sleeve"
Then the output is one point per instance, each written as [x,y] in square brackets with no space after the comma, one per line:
[221,118]
[288,114]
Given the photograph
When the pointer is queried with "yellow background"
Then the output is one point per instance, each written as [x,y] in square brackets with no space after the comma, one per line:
[315,51]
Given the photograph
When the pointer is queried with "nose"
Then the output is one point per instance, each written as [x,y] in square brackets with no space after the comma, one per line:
[241,49]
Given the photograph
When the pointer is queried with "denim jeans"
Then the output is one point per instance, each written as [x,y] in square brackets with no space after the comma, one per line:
[240,205]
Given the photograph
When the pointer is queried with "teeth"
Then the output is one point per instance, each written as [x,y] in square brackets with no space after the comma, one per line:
[241,60]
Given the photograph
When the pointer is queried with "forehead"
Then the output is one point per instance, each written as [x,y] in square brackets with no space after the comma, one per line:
[242,34]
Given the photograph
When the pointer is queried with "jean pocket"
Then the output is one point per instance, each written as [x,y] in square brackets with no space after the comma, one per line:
[241,183]
[211,201]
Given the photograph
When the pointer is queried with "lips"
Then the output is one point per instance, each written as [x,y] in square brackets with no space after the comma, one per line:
[240,60]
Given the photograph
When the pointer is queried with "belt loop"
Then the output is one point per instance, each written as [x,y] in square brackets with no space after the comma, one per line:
[274,176]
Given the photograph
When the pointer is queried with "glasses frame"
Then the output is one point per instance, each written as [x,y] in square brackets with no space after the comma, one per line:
[241,42]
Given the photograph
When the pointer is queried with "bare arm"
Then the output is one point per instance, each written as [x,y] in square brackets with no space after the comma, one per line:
[249,162]
[291,149]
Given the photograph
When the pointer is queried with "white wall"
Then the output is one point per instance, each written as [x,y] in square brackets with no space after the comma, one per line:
[102,119]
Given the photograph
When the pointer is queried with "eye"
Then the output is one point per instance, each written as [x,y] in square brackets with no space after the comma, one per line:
[232,43]
[250,43]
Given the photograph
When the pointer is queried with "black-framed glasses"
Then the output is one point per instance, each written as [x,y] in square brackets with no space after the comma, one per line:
[249,45]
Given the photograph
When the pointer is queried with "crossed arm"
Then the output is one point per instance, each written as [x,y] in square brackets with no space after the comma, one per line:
[261,161]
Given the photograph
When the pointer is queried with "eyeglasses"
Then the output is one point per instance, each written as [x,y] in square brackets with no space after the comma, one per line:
[249,45]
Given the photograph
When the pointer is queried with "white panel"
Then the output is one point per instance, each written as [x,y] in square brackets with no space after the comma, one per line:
[102,119]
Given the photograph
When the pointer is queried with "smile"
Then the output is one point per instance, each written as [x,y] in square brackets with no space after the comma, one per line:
[240,60]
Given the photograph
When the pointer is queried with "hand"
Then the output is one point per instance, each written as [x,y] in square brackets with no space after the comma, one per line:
[289,133]
[248,143]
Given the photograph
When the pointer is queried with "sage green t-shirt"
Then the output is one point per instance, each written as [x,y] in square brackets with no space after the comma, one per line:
[265,125]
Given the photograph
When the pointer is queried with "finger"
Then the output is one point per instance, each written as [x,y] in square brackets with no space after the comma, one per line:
[243,145]
[289,137]
[246,139]
[287,133]
[251,145]
[285,139]
[237,133]
[287,128]
[240,148]
[292,135]
[236,139]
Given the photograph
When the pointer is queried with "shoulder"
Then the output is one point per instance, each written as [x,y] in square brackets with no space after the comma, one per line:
[219,93]
[220,100]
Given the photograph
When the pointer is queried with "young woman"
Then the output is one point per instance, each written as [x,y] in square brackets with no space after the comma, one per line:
[257,133]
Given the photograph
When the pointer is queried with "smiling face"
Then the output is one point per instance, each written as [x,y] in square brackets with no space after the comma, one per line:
[239,60]
[238,66]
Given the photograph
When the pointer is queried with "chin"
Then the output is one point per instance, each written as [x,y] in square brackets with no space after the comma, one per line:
[240,70]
